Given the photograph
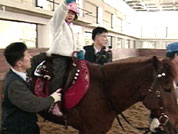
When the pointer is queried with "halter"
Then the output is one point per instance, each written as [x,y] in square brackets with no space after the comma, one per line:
[163,118]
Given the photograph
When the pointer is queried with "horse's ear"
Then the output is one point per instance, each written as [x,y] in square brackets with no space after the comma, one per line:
[156,64]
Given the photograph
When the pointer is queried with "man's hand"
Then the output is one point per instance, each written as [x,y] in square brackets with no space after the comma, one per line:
[154,125]
[56,95]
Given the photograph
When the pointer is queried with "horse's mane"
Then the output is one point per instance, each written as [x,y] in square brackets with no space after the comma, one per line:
[132,61]
[167,65]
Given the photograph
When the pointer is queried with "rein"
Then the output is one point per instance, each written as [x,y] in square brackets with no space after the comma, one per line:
[163,118]
[115,107]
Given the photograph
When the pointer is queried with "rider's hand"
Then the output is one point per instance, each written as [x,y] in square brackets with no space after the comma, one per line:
[80,55]
[70,1]
[56,95]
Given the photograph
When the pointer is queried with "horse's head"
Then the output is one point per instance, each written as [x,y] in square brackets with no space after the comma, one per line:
[160,97]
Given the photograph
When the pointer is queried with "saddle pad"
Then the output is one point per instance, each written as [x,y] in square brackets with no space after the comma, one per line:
[79,87]
[41,87]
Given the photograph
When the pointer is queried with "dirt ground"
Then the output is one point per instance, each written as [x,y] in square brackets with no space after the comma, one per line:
[137,115]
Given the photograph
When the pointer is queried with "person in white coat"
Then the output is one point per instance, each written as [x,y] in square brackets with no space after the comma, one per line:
[63,44]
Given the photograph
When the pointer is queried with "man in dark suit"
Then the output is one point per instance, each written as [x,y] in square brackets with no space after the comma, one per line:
[19,104]
[96,52]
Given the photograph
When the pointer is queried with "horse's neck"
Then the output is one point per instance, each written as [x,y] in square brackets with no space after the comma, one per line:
[126,81]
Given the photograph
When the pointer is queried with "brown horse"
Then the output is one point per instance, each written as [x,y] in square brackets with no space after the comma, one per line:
[127,81]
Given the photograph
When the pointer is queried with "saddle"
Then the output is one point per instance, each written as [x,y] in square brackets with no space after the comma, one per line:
[76,82]
[75,89]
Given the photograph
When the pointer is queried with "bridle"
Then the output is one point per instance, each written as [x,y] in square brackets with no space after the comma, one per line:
[163,118]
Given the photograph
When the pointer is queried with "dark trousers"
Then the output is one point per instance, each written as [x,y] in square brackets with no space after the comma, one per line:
[21,130]
[60,64]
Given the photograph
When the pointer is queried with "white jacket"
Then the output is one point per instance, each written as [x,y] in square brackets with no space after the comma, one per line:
[63,39]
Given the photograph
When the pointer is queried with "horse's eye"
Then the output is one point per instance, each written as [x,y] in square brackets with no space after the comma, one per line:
[167,90]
